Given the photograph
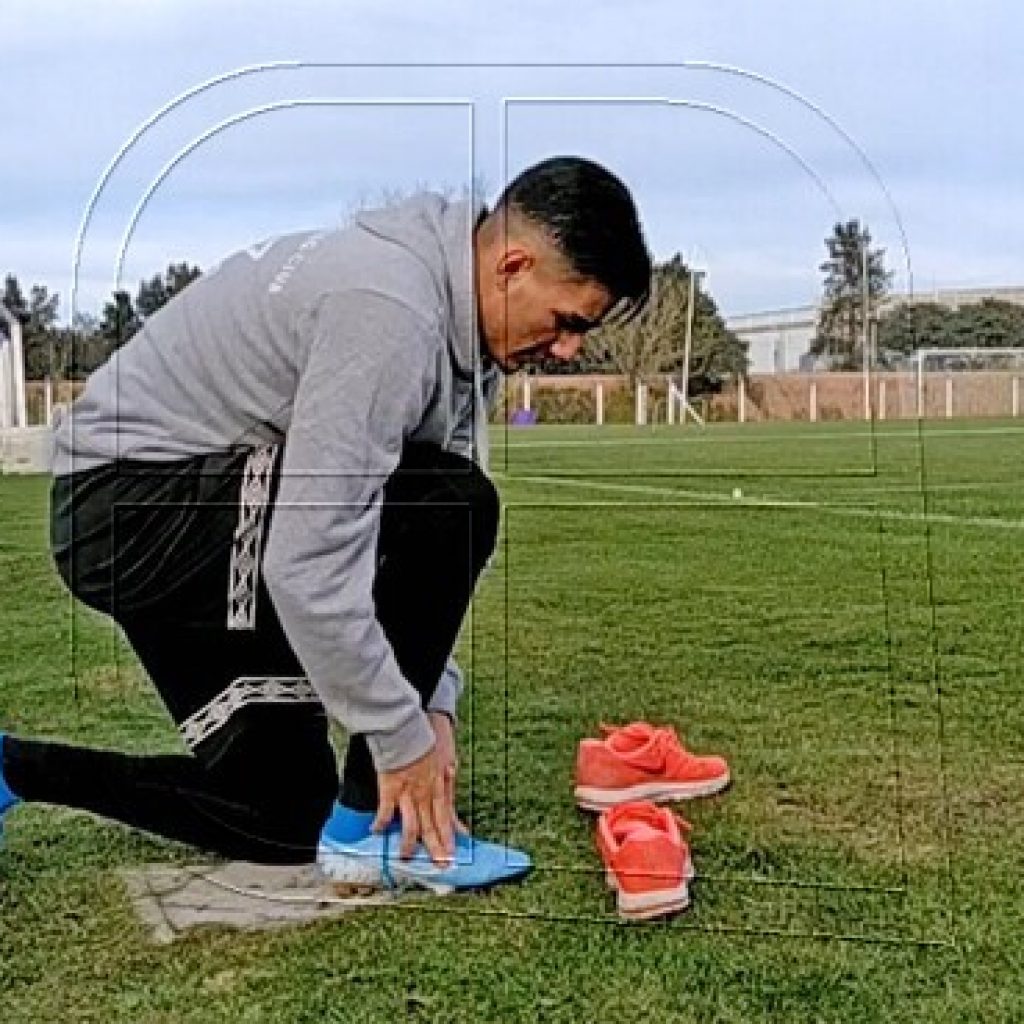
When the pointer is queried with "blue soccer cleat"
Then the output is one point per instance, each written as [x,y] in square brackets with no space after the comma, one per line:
[354,859]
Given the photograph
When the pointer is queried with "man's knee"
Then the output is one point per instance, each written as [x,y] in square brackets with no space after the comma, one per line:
[452,487]
[481,498]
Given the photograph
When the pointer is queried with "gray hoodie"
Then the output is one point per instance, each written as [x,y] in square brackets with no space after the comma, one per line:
[341,344]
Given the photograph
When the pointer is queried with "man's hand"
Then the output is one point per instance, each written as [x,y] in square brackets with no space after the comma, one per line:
[418,793]
[448,758]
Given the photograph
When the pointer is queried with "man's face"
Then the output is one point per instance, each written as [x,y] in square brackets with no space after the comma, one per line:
[532,307]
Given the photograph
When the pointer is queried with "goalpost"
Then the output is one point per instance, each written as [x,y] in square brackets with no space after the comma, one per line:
[956,367]
[679,402]
[12,372]
[23,448]
[678,398]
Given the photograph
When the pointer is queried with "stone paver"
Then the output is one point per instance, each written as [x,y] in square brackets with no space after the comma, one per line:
[171,900]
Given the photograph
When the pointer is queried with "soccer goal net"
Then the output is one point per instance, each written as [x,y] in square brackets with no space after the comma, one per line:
[965,382]
[12,372]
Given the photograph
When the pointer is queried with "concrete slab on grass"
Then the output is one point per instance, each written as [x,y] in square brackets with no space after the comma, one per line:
[173,900]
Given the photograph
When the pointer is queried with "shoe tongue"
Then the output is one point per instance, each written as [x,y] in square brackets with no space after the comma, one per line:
[638,830]
[641,745]
[638,818]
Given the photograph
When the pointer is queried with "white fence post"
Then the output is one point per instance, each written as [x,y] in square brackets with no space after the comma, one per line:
[600,403]
[1016,397]
[6,405]
[641,404]
[814,401]
[526,393]
[949,398]
[881,399]
[670,404]
[48,399]
[741,400]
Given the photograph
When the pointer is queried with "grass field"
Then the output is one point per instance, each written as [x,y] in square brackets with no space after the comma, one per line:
[848,632]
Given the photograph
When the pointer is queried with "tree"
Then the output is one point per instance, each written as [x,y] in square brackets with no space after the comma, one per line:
[152,294]
[655,341]
[14,298]
[909,326]
[991,323]
[38,316]
[840,330]
[119,320]
[161,288]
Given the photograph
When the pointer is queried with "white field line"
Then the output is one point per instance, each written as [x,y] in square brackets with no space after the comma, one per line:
[966,485]
[910,434]
[852,511]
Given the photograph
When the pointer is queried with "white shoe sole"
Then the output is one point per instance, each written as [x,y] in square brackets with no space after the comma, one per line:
[353,875]
[643,905]
[593,798]
[348,874]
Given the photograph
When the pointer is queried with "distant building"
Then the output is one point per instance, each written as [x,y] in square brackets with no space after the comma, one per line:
[779,340]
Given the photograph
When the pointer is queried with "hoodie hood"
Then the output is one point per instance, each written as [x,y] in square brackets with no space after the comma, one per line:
[439,234]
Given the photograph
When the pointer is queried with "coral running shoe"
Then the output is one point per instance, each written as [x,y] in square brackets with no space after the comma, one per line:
[641,762]
[647,861]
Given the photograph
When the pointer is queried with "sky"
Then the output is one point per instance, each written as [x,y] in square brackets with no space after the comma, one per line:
[745,130]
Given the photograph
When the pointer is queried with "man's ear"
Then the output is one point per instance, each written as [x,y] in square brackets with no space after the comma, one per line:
[511,264]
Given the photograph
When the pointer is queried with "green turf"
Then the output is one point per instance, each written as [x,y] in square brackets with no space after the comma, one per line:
[848,634]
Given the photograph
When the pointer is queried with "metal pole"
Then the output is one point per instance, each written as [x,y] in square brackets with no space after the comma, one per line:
[920,384]
[865,330]
[687,346]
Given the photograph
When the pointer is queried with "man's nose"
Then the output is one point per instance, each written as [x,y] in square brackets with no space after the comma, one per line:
[567,346]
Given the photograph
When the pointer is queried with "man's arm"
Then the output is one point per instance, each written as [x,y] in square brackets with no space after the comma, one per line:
[449,690]
[353,405]
[469,439]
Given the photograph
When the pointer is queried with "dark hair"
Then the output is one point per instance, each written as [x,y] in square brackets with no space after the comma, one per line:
[592,219]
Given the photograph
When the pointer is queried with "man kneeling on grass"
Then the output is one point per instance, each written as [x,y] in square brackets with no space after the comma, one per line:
[277,488]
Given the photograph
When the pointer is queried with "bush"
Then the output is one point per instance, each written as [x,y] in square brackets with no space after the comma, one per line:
[564,405]
[619,405]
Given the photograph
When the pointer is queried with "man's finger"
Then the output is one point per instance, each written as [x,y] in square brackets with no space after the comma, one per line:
[385,812]
[443,810]
[449,786]
[432,839]
[410,826]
